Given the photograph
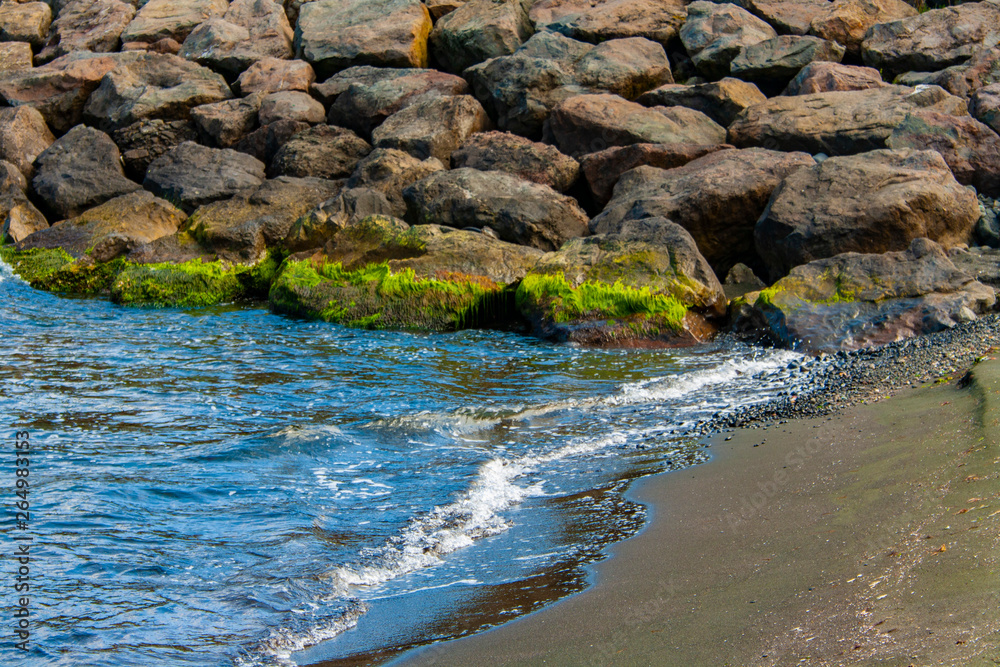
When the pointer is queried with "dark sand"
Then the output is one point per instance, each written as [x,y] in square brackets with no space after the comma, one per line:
[868,538]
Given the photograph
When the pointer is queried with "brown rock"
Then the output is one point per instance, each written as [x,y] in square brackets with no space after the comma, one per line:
[825,77]
[11,178]
[226,122]
[23,137]
[985,106]
[848,20]
[165,45]
[776,61]
[19,219]
[15,57]
[714,34]
[25,22]
[434,127]
[323,151]
[141,143]
[721,100]
[273,75]
[251,30]
[532,161]
[390,171]
[626,67]
[174,19]
[265,142]
[601,20]
[439,8]
[87,25]
[479,30]
[788,17]
[291,105]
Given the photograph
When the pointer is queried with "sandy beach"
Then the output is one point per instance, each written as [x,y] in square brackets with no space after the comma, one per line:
[871,537]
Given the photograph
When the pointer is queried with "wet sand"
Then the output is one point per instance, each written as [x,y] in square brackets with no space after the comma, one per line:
[869,538]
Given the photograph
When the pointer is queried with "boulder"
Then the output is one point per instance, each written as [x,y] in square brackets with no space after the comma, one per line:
[265,142]
[141,143]
[432,128]
[361,98]
[137,217]
[15,57]
[251,30]
[985,106]
[225,123]
[788,17]
[479,30]
[590,123]
[323,151]
[336,34]
[717,198]
[837,123]
[153,85]
[11,178]
[390,171]
[776,61]
[740,281]
[82,169]
[194,175]
[87,25]
[979,71]
[171,19]
[603,168]
[273,75]
[827,77]
[848,21]
[290,105]
[714,34]
[720,100]
[626,67]
[601,20]
[875,202]
[646,285]
[971,149]
[933,40]
[322,223]
[25,22]
[532,161]
[439,8]
[23,137]
[18,217]
[856,300]
[519,211]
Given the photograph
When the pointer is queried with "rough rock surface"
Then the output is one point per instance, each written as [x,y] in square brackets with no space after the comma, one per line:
[265,142]
[319,225]
[23,137]
[985,106]
[479,30]
[225,123]
[290,105]
[272,75]
[15,56]
[714,34]
[826,77]
[25,22]
[11,178]
[601,20]
[788,17]
[847,21]
[141,143]
[171,19]
[87,25]
[18,216]
[434,127]
[323,151]
[251,30]
[530,160]
[195,175]
[873,202]
[390,171]
[720,100]
[776,61]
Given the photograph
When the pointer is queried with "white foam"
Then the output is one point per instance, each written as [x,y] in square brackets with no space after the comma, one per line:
[278,648]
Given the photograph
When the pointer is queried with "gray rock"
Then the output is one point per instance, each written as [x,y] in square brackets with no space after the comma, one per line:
[323,151]
[434,127]
[480,30]
[291,105]
[714,35]
[171,19]
[530,160]
[251,30]
[390,171]
[226,122]
[142,142]
[194,175]
[602,20]
[315,228]
[87,25]
[776,61]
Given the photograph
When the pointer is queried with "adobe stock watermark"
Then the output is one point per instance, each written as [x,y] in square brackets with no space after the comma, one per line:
[22,541]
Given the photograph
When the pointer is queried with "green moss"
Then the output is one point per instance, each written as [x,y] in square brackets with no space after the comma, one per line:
[193,283]
[801,291]
[36,264]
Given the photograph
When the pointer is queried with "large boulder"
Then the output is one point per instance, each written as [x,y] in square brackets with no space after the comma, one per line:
[720,100]
[788,17]
[837,123]
[23,137]
[153,85]
[774,62]
[87,25]
[873,202]
[25,22]
[717,198]
[847,21]
[390,171]
[336,34]
[590,123]
[142,142]
[323,222]
[933,40]
[601,20]
[290,105]
[15,57]
[479,30]
[323,151]
[856,300]
[645,285]
[194,175]
[225,123]
[434,127]
[272,75]
[519,211]
[171,19]
[18,216]
[530,160]
[827,77]
[714,34]
[82,169]
[251,30]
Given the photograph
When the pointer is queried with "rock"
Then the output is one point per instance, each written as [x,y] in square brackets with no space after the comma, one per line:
[25,22]
[788,17]
[877,202]
[432,128]
[603,168]
[11,178]
[242,227]
[776,61]
[979,71]
[848,21]
[226,122]
[272,75]
[714,34]
[479,30]
[390,171]
[251,30]
[985,106]
[15,57]
[82,169]
[933,40]
[137,217]
[23,137]
[602,20]
[361,98]
[856,300]
[626,67]
[720,100]
[837,123]
[590,123]
[717,198]
[826,77]
[336,34]
[87,25]
[741,280]
[265,142]
[141,143]
[439,8]
[971,149]
[321,224]
[173,19]
[166,45]
[291,105]
[323,151]
[519,211]
[194,175]
[645,285]
[154,85]
[532,161]
[18,217]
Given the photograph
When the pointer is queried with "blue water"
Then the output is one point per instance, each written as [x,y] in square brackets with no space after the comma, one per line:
[229,487]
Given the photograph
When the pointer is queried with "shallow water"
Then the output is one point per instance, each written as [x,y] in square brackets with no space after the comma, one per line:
[225,486]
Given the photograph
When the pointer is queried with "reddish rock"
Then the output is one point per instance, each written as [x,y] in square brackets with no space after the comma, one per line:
[23,137]
[273,75]
[19,218]
[173,19]
[533,161]
[788,17]
[290,105]
[825,77]
[87,25]
[848,21]
[251,30]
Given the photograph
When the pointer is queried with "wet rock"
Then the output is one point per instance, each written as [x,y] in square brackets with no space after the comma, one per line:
[519,211]
[434,127]
[776,61]
[336,34]
[322,223]
[602,20]
[590,123]
[23,137]
[18,217]
[173,19]
[720,100]
[826,77]
[141,143]
[323,151]
[479,30]
[985,106]
[877,202]
[194,175]
[25,22]
[15,57]
[847,21]
[291,105]
[714,34]
[530,160]
[717,198]
[265,142]
[390,171]
[836,123]
[273,75]
[250,30]
[225,123]
[87,25]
